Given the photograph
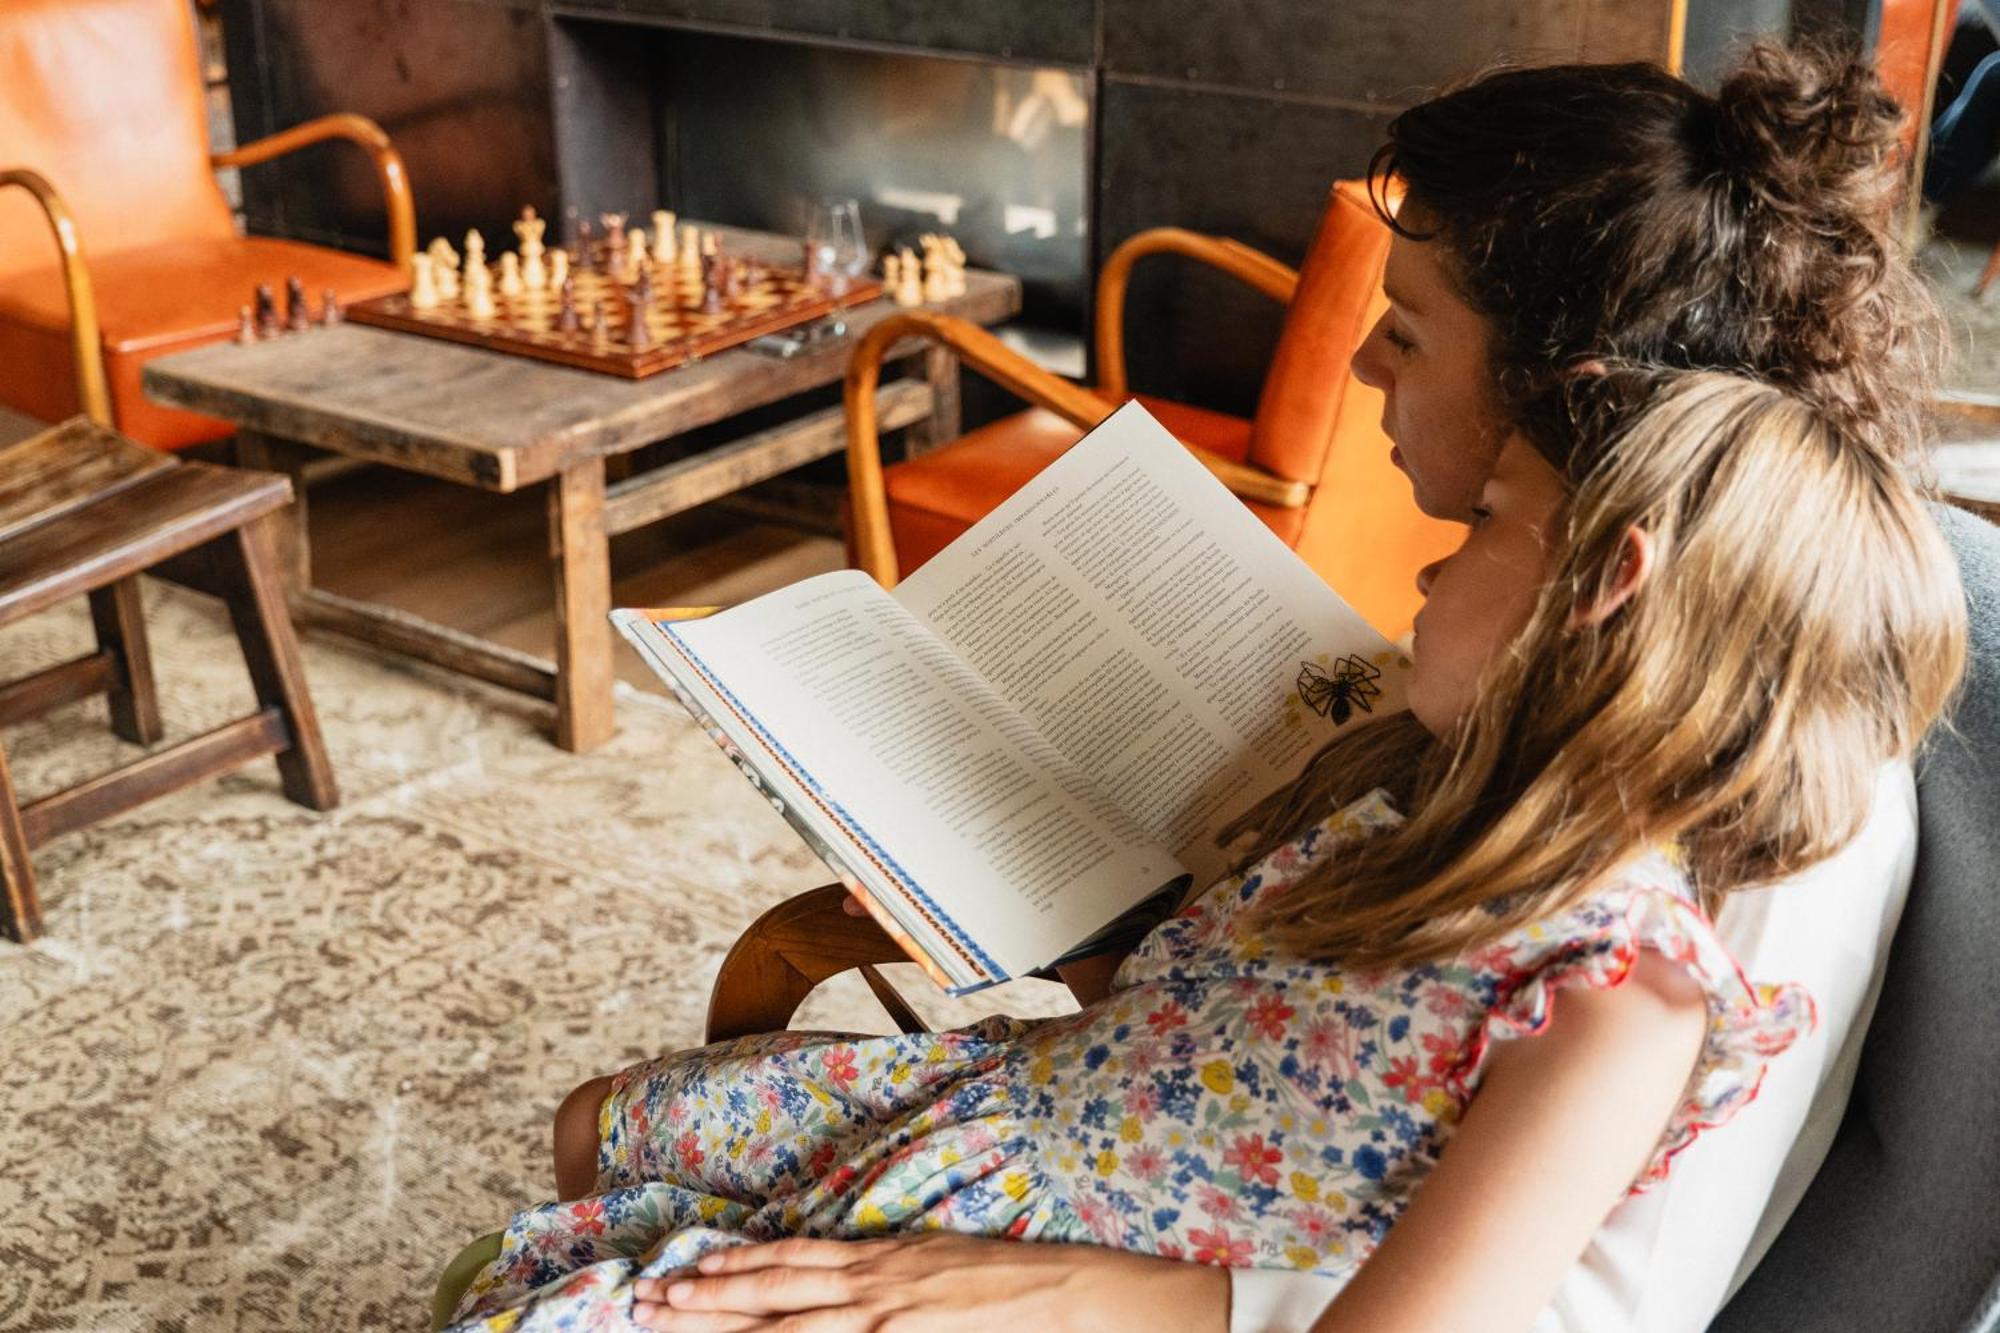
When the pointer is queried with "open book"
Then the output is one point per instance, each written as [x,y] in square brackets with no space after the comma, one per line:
[1038,735]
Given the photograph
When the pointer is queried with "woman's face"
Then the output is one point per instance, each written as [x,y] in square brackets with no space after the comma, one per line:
[1428,355]
[1477,599]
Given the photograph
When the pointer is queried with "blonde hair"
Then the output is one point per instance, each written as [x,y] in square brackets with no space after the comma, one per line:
[1801,625]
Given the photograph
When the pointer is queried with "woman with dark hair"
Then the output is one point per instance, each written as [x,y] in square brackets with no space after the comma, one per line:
[1571,235]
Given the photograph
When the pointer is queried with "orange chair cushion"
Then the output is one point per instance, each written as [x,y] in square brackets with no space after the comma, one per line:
[104,98]
[151,301]
[936,496]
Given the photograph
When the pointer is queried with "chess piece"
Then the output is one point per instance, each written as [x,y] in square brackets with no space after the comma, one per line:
[638,337]
[479,292]
[600,327]
[663,236]
[475,248]
[529,231]
[690,249]
[510,275]
[937,283]
[423,282]
[442,255]
[566,318]
[329,309]
[246,326]
[642,290]
[297,316]
[614,239]
[585,245]
[635,254]
[558,269]
[909,279]
[809,265]
[714,277]
[892,280]
[475,273]
[955,253]
[267,312]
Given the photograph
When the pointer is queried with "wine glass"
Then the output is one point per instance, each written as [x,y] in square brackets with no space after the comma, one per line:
[839,251]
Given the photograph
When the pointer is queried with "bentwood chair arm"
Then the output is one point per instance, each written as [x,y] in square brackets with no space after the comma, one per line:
[790,949]
[1081,407]
[363,131]
[89,347]
[1249,266]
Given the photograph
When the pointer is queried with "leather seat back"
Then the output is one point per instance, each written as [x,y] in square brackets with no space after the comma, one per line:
[105,99]
[1309,392]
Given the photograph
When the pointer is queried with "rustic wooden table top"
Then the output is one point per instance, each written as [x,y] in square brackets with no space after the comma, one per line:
[496,421]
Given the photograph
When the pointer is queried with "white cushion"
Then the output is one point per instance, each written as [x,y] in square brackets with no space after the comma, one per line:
[1667,1260]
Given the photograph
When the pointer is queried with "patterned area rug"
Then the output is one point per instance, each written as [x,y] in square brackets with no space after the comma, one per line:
[270,1069]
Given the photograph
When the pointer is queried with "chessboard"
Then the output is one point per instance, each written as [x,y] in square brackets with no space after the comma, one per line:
[762,298]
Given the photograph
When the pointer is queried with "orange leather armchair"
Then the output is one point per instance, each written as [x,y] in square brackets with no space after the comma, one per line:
[1313,464]
[103,121]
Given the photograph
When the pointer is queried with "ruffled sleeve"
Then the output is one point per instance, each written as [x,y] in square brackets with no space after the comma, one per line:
[1596,944]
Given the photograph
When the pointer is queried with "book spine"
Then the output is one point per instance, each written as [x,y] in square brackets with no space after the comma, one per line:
[747,765]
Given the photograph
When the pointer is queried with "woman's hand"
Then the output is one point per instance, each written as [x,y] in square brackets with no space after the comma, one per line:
[938,1282]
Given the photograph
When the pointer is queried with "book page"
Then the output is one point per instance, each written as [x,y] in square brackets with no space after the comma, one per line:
[956,800]
[1157,633]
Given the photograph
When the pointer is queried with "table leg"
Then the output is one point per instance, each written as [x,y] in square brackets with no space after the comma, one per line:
[940,371]
[582,552]
[20,909]
[267,453]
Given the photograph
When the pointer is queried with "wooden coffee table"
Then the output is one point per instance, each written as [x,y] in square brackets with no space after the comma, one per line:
[500,423]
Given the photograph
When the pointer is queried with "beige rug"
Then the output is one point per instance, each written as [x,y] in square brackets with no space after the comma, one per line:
[270,1069]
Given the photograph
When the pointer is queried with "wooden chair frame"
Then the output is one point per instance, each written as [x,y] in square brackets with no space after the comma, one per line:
[84,322]
[874,544]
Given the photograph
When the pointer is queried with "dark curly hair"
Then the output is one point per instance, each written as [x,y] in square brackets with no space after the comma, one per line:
[1617,212]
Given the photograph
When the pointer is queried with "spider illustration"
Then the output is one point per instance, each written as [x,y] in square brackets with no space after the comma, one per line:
[1337,692]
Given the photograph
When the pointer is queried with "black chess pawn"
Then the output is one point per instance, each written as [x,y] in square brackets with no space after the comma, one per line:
[638,337]
[297,316]
[713,276]
[809,265]
[614,239]
[566,317]
[329,308]
[585,256]
[642,287]
[267,312]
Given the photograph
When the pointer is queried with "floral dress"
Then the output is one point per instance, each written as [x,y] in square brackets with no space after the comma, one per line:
[1227,1103]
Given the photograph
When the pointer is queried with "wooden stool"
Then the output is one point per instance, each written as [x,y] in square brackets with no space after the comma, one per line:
[82,511]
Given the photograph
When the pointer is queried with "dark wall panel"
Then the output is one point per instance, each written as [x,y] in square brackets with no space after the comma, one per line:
[1375,50]
[462,87]
[1059,31]
[1252,168]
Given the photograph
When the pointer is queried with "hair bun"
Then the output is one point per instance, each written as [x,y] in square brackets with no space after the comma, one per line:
[1809,130]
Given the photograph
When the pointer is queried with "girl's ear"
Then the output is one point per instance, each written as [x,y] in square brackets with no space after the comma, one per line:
[1635,566]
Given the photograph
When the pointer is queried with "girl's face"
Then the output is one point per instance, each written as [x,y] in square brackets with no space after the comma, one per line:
[1477,599]
[1428,354]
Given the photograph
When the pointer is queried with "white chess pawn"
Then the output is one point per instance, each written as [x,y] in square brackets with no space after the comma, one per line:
[558,270]
[475,248]
[423,282]
[510,275]
[635,253]
[892,281]
[690,250]
[910,281]
[479,292]
[937,282]
[663,236]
